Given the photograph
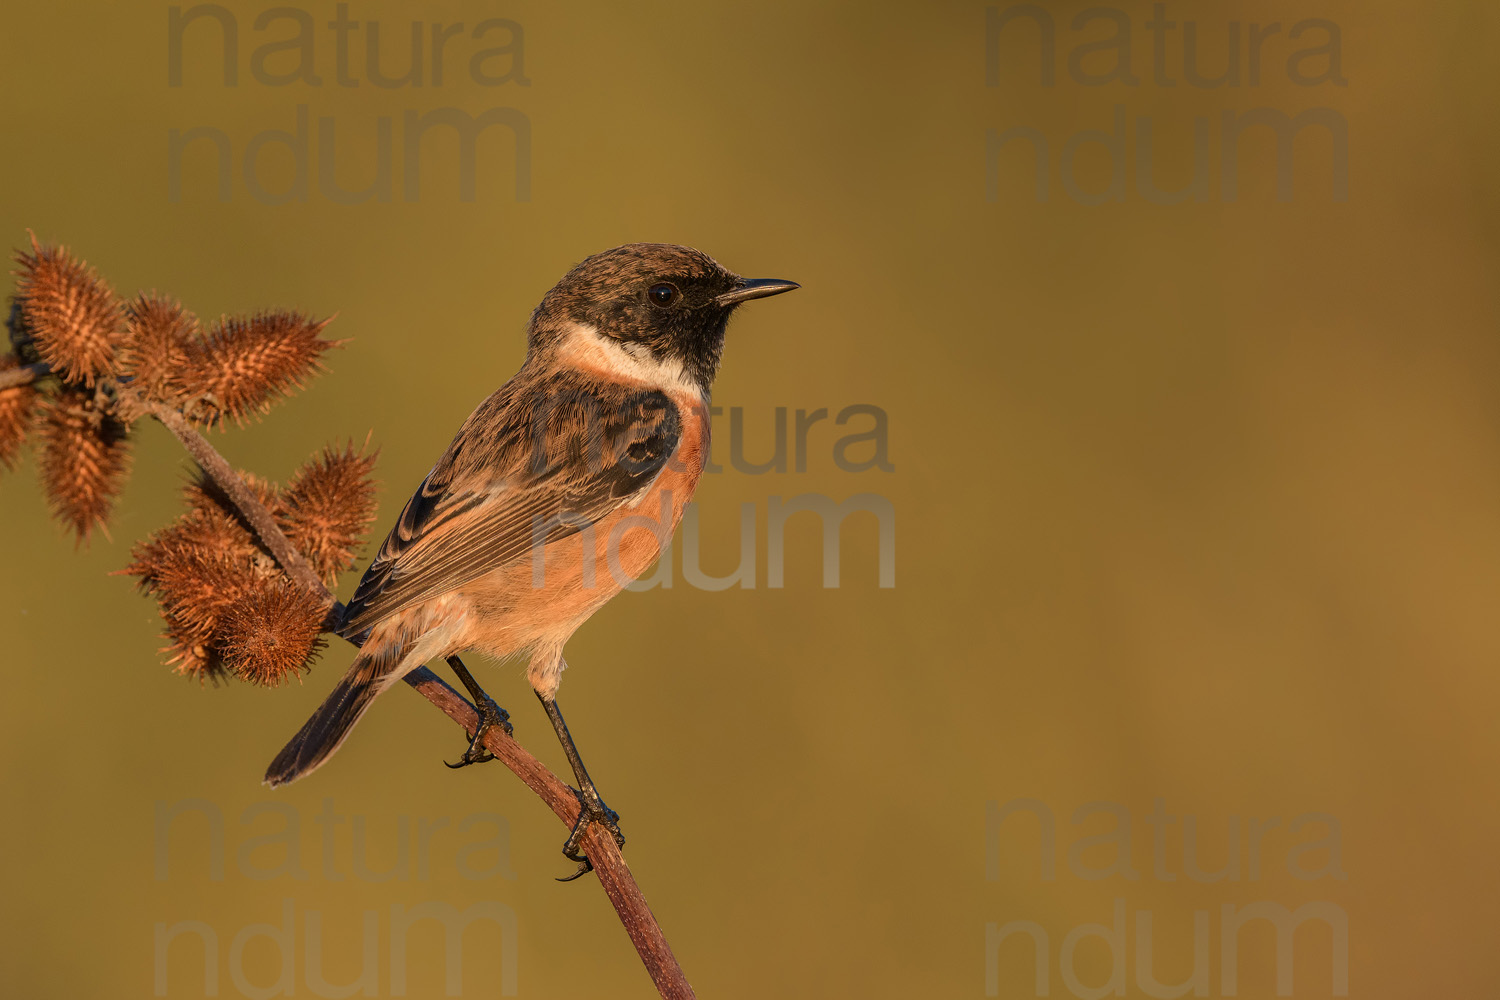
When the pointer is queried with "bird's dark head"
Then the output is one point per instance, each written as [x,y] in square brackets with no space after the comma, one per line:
[661,303]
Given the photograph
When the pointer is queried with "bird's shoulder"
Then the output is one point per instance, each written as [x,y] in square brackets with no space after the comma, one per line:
[557,424]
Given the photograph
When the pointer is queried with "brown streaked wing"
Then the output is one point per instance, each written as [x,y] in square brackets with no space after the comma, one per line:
[494,494]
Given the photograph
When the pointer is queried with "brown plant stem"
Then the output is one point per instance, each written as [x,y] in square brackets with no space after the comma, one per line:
[614,875]
[22,375]
[251,509]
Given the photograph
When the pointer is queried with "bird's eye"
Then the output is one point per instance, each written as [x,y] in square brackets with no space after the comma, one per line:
[663,294]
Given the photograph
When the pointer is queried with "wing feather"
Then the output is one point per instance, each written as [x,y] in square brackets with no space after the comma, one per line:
[533,464]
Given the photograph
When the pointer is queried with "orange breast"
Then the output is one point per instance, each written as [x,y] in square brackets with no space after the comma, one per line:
[543,600]
[629,540]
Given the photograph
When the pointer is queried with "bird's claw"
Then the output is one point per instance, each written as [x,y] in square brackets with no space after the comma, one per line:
[491,716]
[591,809]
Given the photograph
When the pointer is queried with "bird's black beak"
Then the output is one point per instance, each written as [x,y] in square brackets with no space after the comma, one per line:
[754,288]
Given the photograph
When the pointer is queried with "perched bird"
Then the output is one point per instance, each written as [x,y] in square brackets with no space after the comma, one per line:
[561,487]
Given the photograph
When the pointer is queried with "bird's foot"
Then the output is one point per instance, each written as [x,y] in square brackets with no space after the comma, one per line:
[491,716]
[591,809]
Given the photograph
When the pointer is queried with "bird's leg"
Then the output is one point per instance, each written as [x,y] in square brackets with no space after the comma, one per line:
[591,807]
[490,715]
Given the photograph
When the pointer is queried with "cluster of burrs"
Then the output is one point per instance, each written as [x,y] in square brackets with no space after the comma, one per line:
[86,365]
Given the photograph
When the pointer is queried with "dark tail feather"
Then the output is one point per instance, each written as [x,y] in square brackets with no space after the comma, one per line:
[331,724]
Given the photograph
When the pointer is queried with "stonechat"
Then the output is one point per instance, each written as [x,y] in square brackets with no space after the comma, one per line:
[560,488]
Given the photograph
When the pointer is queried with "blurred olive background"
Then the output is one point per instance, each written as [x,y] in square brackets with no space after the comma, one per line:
[1197,503]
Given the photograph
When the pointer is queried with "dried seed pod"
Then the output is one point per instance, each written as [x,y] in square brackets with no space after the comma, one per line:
[229,609]
[328,507]
[16,404]
[160,337]
[74,317]
[84,460]
[243,365]
[197,569]
[190,655]
[193,582]
[272,633]
[218,531]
